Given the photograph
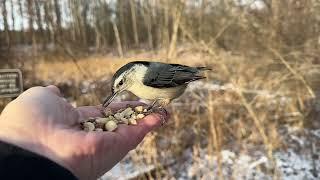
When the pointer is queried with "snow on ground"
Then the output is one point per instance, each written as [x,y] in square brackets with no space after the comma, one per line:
[126,170]
[300,160]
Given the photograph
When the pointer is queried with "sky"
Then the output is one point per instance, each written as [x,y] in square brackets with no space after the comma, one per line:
[19,20]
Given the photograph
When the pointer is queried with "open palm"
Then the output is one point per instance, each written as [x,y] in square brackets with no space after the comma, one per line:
[41,121]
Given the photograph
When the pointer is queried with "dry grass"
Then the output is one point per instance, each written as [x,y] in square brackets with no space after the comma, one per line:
[59,70]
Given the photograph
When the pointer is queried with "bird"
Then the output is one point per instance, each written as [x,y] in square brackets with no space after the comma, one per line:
[154,81]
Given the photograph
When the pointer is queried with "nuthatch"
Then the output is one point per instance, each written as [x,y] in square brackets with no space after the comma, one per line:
[156,81]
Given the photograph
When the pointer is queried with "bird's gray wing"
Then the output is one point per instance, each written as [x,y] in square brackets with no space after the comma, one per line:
[170,75]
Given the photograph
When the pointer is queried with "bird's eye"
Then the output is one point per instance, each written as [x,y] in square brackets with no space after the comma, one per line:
[121,83]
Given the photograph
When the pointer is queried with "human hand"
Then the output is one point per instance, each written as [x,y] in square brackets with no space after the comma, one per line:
[41,121]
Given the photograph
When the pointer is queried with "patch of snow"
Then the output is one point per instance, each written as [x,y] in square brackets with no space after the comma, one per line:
[126,170]
[298,161]
[295,166]
[316,132]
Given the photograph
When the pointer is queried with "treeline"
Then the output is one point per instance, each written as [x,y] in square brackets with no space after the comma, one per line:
[126,24]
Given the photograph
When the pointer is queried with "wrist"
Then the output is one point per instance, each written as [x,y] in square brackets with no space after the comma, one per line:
[27,140]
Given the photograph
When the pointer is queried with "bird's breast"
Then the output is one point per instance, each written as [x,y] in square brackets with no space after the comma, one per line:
[151,93]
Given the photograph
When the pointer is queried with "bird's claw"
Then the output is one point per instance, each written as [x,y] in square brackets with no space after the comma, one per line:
[162,112]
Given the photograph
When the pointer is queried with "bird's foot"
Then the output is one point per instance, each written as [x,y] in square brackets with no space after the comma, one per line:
[162,112]
[149,108]
[159,103]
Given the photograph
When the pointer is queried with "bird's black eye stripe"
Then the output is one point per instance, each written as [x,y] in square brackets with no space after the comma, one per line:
[121,83]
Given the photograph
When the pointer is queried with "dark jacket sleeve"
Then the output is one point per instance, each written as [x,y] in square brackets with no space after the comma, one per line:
[17,163]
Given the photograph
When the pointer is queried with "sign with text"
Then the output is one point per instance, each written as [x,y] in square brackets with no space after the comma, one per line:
[10,82]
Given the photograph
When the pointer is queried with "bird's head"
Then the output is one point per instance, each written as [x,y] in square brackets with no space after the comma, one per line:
[123,79]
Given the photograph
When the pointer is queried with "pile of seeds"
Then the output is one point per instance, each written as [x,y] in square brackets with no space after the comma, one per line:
[110,121]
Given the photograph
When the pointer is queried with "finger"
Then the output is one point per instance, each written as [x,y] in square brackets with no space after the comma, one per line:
[86,112]
[130,136]
[152,121]
[54,89]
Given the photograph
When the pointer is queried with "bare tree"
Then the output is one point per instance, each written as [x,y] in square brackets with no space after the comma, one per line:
[12,18]
[116,33]
[5,22]
[106,25]
[164,31]
[101,25]
[48,19]
[84,22]
[153,22]
[39,22]
[176,17]
[122,22]
[75,24]
[21,36]
[97,26]
[30,24]
[134,21]
[58,19]
[147,20]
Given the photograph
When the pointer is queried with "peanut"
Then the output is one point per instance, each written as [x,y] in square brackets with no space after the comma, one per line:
[140,116]
[88,126]
[111,126]
[138,109]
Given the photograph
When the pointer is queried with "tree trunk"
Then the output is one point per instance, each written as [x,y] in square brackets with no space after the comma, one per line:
[84,22]
[75,28]
[177,17]
[165,29]
[22,34]
[39,23]
[13,22]
[134,22]
[122,23]
[116,33]
[58,20]
[5,23]
[50,31]
[106,37]
[147,20]
[97,25]
[30,22]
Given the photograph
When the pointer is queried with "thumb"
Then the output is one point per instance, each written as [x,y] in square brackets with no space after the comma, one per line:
[133,135]
[154,120]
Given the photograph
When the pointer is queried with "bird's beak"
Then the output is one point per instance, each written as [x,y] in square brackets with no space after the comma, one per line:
[110,99]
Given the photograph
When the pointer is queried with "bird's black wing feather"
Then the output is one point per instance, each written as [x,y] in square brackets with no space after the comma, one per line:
[173,75]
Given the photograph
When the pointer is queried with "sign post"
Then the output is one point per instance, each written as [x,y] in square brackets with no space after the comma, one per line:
[10,83]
